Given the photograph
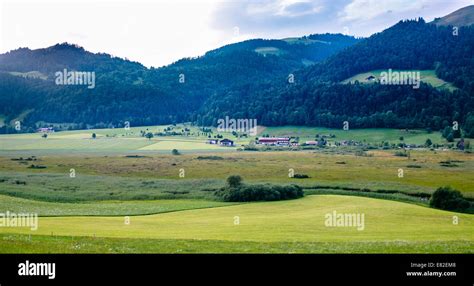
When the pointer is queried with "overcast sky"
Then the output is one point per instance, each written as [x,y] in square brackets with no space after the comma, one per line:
[160,32]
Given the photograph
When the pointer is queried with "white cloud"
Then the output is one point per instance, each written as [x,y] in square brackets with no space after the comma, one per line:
[366,10]
[158,32]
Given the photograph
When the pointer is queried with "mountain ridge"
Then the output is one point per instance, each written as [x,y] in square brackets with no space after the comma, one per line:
[250,79]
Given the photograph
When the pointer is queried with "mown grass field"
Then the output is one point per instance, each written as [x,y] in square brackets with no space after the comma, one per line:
[103,208]
[426,76]
[297,224]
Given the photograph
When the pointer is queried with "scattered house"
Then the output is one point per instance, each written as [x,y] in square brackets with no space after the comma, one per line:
[45,130]
[277,141]
[227,143]
[213,141]
[311,143]
[370,78]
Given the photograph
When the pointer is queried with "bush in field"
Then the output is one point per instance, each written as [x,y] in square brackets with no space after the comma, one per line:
[300,176]
[149,135]
[175,152]
[446,198]
[235,191]
[234,181]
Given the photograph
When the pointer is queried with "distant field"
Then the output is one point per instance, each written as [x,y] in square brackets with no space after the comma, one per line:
[124,176]
[30,74]
[119,140]
[427,76]
[112,140]
[269,51]
[373,135]
[284,223]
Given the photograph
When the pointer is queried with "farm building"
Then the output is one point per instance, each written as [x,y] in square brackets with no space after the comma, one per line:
[45,130]
[281,141]
[227,142]
[311,143]
[213,141]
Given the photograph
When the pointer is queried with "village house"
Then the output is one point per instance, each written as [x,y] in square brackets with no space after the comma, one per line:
[227,143]
[45,130]
[276,141]
[311,143]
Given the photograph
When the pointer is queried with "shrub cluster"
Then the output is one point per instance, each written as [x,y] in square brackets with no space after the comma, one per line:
[446,198]
[300,176]
[236,191]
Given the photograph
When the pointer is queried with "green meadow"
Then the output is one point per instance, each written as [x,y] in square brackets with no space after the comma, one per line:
[120,140]
[426,76]
[298,225]
[172,207]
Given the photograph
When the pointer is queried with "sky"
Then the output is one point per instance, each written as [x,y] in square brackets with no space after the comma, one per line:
[159,32]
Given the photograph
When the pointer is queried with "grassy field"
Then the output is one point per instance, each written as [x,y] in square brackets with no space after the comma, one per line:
[148,176]
[288,223]
[119,140]
[14,243]
[426,76]
[103,208]
[373,135]
[113,140]
[172,205]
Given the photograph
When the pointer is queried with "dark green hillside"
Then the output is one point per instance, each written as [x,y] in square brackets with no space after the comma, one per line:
[317,99]
[127,91]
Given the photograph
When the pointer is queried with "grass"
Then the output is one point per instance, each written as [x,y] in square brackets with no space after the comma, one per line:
[86,188]
[269,51]
[103,208]
[426,76]
[372,135]
[125,177]
[114,140]
[12,243]
[121,141]
[389,223]
[123,174]
[30,74]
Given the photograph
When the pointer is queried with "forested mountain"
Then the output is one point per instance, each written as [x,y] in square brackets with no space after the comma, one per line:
[318,98]
[250,80]
[127,91]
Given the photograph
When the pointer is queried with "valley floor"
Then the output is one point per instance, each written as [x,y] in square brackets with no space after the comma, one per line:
[86,190]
